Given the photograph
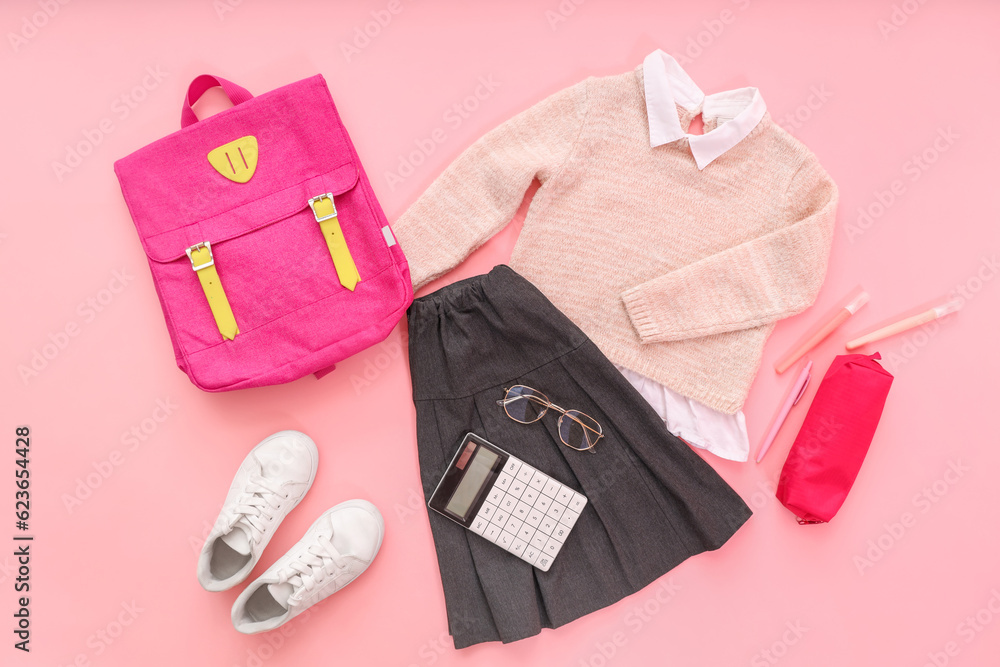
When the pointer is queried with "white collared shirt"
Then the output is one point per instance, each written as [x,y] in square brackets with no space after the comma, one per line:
[695,423]
[735,112]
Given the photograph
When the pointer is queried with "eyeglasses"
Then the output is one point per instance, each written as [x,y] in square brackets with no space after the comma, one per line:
[576,430]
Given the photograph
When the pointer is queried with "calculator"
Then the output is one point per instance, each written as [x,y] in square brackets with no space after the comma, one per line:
[500,497]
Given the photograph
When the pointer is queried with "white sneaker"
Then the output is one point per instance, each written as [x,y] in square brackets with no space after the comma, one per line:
[271,481]
[338,547]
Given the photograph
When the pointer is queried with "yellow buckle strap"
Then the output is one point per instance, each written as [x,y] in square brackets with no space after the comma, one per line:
[203,264]
[325,212]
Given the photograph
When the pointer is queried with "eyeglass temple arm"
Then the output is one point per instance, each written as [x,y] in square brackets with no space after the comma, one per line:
[566,412]
[548,404]
[589,428]
[505,401]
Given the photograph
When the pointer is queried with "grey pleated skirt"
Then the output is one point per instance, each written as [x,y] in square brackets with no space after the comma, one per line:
[652,501]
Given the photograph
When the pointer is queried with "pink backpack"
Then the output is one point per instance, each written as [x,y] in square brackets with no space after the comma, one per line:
[270,254]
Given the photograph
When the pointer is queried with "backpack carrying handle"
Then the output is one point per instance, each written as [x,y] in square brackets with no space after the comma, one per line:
[236,94]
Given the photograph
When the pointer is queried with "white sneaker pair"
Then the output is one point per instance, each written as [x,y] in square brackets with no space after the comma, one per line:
[339,546]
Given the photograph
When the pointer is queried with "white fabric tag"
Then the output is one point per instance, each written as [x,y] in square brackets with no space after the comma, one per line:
[390,240]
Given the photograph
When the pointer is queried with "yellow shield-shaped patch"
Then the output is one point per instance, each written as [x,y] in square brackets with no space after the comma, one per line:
[236,160]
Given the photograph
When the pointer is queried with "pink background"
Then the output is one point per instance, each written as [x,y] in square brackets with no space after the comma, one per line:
[866,100]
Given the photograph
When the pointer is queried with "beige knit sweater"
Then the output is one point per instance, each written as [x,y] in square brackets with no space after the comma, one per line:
[675,273]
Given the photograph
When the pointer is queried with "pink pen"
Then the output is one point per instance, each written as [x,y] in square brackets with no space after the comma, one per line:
[850,305]
[793,397]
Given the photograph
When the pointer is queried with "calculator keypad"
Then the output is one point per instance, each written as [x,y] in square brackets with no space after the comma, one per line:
[528,513]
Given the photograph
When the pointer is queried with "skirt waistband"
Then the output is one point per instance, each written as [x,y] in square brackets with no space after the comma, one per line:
[483,331]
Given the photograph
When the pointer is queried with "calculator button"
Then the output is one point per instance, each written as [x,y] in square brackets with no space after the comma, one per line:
[486,511]
[539,539]
[505,539]
[496,495]
[503,481]
[569,518]
[543,563]
[527,532]
[529,496]
[508,503]
[538,481]
[543,502]
[516,488]
[513,525]
[517,548]
[565,495]
[577,503]
[522,510]
[479,526]
[560,532]
[555,510]
[551,547]
[534,518]
[530,554]
[525,473]
[492,532]
[500,518]
[513,465]
[547,525]
[551,488]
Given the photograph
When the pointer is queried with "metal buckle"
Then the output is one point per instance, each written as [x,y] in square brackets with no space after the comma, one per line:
[312,205]
[207,246]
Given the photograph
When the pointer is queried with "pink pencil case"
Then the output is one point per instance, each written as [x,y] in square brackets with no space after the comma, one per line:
[834,439]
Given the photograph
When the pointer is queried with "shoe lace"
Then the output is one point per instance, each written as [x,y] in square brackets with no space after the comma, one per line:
[312,567]
[256,507]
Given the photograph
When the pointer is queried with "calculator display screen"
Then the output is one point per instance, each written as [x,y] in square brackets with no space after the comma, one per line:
[468,489]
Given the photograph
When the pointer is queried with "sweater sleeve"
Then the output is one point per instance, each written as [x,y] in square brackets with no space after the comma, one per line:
[755,283]
[479,193]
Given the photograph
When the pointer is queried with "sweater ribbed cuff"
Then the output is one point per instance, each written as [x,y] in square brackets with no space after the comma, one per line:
[641,315]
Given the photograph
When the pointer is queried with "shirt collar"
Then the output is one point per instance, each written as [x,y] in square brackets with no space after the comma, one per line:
[668,86]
